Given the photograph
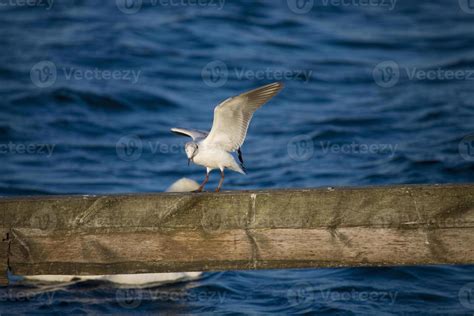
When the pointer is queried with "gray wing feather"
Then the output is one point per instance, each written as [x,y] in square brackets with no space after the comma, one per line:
[193,133]
[232,117]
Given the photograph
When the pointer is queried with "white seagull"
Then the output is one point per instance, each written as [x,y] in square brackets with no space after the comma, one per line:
[231,121]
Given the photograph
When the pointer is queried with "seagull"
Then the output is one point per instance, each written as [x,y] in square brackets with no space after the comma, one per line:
[231,121]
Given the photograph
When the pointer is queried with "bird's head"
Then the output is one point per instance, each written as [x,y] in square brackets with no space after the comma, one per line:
[191,149]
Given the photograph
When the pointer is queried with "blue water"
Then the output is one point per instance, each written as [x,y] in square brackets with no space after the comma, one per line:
[373,96]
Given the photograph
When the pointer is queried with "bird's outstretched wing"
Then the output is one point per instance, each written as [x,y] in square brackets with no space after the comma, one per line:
[232,117]
[193,133]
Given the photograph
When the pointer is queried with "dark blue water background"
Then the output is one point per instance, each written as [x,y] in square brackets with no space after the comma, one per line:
[74,120]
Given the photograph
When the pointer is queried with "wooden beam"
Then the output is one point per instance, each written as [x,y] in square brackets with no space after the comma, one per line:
[166,232]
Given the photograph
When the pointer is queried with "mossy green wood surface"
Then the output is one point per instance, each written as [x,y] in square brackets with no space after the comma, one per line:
[138,233]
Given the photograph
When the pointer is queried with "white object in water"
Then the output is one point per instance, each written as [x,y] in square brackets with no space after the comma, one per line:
[229,129]
[124,279]
[183,185]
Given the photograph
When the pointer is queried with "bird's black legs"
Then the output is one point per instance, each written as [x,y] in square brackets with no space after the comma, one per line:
[221,181]
[201,187]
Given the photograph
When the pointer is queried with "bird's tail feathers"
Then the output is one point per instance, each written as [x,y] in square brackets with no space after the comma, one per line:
[238,168]
[241,160]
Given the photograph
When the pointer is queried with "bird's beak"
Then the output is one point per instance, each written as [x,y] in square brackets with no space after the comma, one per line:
[189,161]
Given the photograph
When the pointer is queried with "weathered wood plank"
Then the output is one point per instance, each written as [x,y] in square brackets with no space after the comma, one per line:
[239,230]
[232,249]
[134,251]
[4,255]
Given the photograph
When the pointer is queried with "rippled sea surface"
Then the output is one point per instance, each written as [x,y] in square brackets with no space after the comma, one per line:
[376,93]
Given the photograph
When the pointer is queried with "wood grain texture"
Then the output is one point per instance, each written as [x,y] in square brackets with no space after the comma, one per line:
[4,254]
[396,225]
